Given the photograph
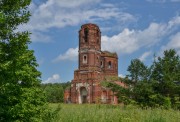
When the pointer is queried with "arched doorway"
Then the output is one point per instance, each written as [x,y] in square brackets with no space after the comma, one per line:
[83,93]
[104,97]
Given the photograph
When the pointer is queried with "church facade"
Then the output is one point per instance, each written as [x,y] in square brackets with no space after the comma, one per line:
[93,66]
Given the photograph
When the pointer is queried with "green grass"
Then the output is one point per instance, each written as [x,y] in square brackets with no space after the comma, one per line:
[111,113]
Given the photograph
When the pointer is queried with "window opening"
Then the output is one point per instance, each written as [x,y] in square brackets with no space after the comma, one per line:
[101,64]
[109,65]
[97,34]
[84,59]
[86,35]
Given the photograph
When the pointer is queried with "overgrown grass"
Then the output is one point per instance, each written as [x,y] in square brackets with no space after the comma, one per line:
[111,113]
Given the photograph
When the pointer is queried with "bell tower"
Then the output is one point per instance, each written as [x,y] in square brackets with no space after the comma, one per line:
[89,47]
[94,66]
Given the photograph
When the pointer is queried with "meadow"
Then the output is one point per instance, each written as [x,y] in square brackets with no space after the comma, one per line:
[113,113]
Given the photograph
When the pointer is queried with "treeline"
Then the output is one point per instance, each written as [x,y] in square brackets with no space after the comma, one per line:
[55,92]
[155,86]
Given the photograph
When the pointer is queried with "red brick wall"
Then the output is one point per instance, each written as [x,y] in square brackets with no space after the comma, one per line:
[90,73]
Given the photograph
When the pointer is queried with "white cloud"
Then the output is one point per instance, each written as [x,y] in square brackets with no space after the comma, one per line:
[40,37]
[145,55]
[70,3]
[121,75]
[71,54]
[107,5]
[60,13]
[159,1]
[163,1]
[174,43]
[32,7]
[53,79]
[174,22]
[129,41]
[119,43]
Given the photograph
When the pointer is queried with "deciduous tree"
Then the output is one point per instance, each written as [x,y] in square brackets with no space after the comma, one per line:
[21,98]
[137,71]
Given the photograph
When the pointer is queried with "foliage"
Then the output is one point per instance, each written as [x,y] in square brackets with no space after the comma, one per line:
[154,86]
[138,71]
[21,98]
[122,92]
[54,92]
[165,78]
[65,85]
[51,114]
[113,113]
[166,73]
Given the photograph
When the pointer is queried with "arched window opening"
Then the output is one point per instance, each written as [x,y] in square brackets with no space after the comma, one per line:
[101,64]
[109,64]
[97,34]
[85,59]
[86,35]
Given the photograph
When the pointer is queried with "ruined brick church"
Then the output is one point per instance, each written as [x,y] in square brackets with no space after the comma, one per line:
[94,66]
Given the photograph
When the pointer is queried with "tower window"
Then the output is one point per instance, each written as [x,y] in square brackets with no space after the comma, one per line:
[101,64]
[86,35]
[109,64]
[85,59]
[97,34]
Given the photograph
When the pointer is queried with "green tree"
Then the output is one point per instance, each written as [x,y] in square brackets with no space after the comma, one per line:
[166,76]
[65,85]
[137,71]
[21,98]
[167,72]
[156,86]
[54,92]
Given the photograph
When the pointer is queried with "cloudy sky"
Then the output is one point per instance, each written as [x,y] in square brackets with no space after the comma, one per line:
[132,28]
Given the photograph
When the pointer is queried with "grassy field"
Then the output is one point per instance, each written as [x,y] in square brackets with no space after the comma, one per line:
[111,113]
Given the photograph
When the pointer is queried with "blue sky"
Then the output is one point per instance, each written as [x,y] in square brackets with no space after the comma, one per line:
[132,28]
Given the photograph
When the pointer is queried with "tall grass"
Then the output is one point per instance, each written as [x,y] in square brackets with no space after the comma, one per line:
[111,113]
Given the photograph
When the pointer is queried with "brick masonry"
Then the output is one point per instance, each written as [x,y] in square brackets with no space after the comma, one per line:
[94,66]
